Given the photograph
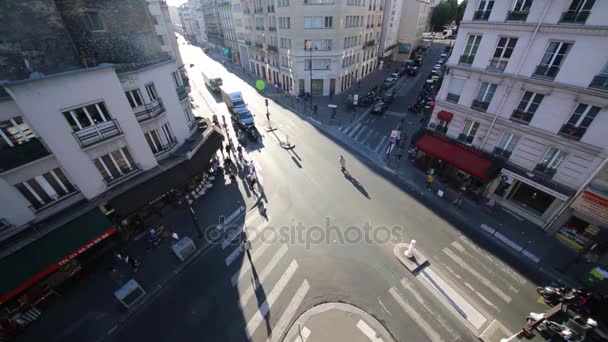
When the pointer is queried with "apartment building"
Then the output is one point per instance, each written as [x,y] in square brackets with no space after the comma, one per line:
[164,28]
[320,47]
[93,128]
[213,24]
[523,106]
[411,17]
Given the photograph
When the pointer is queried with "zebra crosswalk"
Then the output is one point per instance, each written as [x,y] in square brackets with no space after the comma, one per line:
[372,132]
[269,286]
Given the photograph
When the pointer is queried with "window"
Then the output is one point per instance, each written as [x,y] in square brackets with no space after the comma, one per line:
[484,96]
[527,107]
[506,144]
[318,44]
[13,132]
[318,2]
[168,133]
[283,3]
[285,43]
[503,52]
[46,188]
[318,22]
[470,49]
[578,12]
[354,3]
[317,64]
[189,115]
[87,116]
[177,79]
[552,59]
[353,21]
[351,41]
[115,165]
[154,141]
[135,98]
[285,62]
[455,89]
[579,121]
[484,10]
[284,23]
[151,90]
[92,21]
[522,5]
[551,161]
[329,22]
[469,131]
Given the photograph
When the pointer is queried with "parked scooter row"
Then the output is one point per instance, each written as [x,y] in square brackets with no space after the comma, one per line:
[577,298]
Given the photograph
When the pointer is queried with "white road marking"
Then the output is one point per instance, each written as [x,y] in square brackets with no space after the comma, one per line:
[519,278]
[260,279]
[232,216]
[487,301]
[368,331]
[452,299]
[246,266]
[354,130]
[235,253]
[283,322]
[367,136]
[428,330]
[380,143]
[486,269]
[361,132]
[264,308]
[383,306]
[478,275]
[252,217]
[305,332]
[233,235]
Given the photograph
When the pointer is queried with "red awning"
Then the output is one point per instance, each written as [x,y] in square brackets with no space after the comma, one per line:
[445,116]
[466,161]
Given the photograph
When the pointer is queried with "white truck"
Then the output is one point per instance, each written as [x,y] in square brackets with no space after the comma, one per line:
[237,107]
[212,81]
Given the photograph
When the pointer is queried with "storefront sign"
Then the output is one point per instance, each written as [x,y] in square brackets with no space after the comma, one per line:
[86,246]
[593,205]
[470,149]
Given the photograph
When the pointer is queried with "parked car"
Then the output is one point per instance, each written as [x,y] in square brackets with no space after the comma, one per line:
[388,97]
[395,75]
[366,100]
[389,82]
[379,107]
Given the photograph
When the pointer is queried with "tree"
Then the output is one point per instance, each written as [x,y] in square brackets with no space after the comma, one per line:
[461,7]
[445,12]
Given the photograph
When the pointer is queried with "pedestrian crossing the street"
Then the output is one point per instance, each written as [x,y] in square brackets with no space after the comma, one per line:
[270,289]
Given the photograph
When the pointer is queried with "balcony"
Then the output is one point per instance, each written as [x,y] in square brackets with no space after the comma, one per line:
[546,71]
[497,64]
[149,110]
[22,154]
[572,132]
[259,45]
[92,135]
[55,199]
[481,15]
[272,48]
[466,59]
[124,172]
[599,82]
[452,98]
[544,171]
[517,15]
[466,139]
[521,116]
[165,148]
[481,106]
[182,93]
[502,154]
[575,17]
[272,29]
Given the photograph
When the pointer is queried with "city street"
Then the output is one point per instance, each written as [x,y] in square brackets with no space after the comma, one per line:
[329,236]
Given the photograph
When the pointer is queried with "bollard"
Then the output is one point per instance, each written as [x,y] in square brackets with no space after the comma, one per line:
[409,253]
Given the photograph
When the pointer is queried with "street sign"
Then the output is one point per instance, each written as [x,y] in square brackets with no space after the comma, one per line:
[332,106]
[356,99]
[393,138]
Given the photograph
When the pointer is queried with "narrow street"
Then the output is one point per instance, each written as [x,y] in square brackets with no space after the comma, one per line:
[329,237]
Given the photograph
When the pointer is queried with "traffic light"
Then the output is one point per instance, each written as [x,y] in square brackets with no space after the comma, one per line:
[266,100]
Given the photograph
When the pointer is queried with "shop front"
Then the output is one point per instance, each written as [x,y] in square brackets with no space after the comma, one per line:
[31,275]
[531,197]
[584,225]
[456,165]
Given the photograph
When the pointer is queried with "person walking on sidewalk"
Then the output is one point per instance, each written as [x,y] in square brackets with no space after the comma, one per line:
[343,163]
[430,179]
[459,196]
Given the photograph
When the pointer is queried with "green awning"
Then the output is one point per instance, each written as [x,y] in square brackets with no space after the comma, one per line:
[28,265]
[405,47]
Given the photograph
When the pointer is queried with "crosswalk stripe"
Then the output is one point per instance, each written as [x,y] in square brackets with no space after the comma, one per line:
[354,131]
[380,144]
[235,253]
[364,128]
[482,297]
[260,279]
[246,266]
[428,330]
[506,269]
[264,308]
[294,304]
[252,217]
[478,275]
[368,331]
[367,136]
[347,129]
[233,235]
[486,269]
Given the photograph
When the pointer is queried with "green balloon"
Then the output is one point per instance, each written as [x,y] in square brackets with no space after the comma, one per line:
[260,84]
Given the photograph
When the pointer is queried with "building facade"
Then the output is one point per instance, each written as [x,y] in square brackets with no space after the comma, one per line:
[87,120]
[320,47]
[524,102]
[164,28]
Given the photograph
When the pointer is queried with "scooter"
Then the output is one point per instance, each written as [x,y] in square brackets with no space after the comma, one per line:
[252,133]
[241,138]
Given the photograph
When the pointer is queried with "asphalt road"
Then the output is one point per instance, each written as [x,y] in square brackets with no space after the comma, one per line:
[329,237]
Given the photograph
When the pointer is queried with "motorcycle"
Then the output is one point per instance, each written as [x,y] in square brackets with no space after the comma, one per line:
[252,133]
[241,138]
[153,238]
